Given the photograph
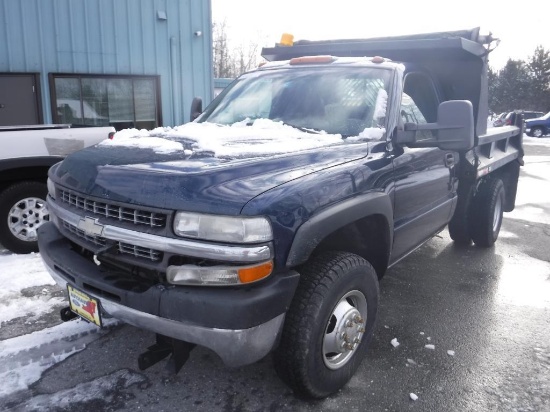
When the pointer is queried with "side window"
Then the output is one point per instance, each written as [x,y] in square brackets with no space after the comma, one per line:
[420,102]
[421,89]
[410,113]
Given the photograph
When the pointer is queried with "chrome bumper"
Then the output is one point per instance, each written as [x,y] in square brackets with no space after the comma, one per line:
[235,347]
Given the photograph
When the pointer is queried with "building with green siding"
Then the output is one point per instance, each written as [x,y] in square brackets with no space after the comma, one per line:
[126,63]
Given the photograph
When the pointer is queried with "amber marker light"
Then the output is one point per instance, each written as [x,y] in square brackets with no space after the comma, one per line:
[287,39]
[312,60]
[254,273]
[378,59]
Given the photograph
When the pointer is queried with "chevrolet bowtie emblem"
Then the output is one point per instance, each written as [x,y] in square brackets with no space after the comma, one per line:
[90,226]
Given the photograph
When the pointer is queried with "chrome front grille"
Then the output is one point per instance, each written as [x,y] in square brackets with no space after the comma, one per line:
[98,241]
[124,248]
[123,214]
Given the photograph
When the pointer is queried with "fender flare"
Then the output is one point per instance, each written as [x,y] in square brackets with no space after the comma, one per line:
[319,226]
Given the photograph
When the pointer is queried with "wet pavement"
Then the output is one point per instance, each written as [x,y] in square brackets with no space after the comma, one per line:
[485,311]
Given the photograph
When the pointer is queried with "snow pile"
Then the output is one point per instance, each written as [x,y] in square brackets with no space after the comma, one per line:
[430,346]
[413,396]
[381,104]
[143,139]
[20,272]
[246,138]
[370,133]
[451,352]
[394,342]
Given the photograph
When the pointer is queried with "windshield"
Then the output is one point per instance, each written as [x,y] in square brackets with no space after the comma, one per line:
[348,101]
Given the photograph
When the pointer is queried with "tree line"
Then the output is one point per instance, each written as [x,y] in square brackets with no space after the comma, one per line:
[230,61]
[523,85]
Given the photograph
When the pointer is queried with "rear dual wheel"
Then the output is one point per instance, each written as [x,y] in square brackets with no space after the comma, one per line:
[480,217]
[487,212]
[329,324]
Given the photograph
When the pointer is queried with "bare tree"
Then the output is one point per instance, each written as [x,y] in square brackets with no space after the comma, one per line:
[231,61]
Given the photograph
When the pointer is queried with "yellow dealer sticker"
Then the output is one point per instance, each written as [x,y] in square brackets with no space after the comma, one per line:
[84,306]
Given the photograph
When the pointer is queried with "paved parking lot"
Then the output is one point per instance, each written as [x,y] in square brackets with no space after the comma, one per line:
[485,311]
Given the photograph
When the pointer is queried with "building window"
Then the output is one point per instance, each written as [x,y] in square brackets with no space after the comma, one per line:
[119,101]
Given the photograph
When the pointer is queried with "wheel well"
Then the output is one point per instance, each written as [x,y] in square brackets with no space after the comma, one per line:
[18,174]
[368,237]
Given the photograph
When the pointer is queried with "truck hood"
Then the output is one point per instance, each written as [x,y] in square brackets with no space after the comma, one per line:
[187,178]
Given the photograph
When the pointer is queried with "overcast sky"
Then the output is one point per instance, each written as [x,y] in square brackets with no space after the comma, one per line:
[521,26]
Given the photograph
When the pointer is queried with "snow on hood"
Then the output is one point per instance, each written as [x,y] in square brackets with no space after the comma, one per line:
[261,137]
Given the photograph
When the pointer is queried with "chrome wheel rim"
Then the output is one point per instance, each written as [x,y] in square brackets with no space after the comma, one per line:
[537,133]
[26,216]
[345,329]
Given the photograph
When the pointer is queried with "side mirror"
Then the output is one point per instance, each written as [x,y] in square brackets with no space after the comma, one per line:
[455,121]
[196,108]
[454,129]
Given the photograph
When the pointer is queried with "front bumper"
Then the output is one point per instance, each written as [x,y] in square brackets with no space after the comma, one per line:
[241,325]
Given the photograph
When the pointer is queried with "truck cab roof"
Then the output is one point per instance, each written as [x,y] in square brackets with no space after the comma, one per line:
[456,60]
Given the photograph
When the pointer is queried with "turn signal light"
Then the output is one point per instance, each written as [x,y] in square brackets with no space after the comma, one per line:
[254,273]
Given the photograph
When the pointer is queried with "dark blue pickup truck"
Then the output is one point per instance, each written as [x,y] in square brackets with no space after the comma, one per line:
[266,224]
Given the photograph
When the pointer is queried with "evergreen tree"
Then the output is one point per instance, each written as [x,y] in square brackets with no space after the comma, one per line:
[512,89]
[492,79]
[539,70]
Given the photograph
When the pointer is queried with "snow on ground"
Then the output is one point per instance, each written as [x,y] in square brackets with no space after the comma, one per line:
[23,359]
[101,388]
[49,346]
[19,272]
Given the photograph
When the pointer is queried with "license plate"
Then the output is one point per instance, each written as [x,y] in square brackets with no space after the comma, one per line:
[84,306]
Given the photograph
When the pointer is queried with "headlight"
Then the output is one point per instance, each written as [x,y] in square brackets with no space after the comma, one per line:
[217,275]
[51,188]
[238,229]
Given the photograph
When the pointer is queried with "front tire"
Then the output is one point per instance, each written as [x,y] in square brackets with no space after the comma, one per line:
[329,324]
[22,211]
[487,212]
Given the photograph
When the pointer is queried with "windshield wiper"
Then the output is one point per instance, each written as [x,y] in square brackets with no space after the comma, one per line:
[301,128]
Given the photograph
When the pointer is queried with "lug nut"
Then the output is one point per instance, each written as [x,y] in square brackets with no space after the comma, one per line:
[348,324]
[358,319]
